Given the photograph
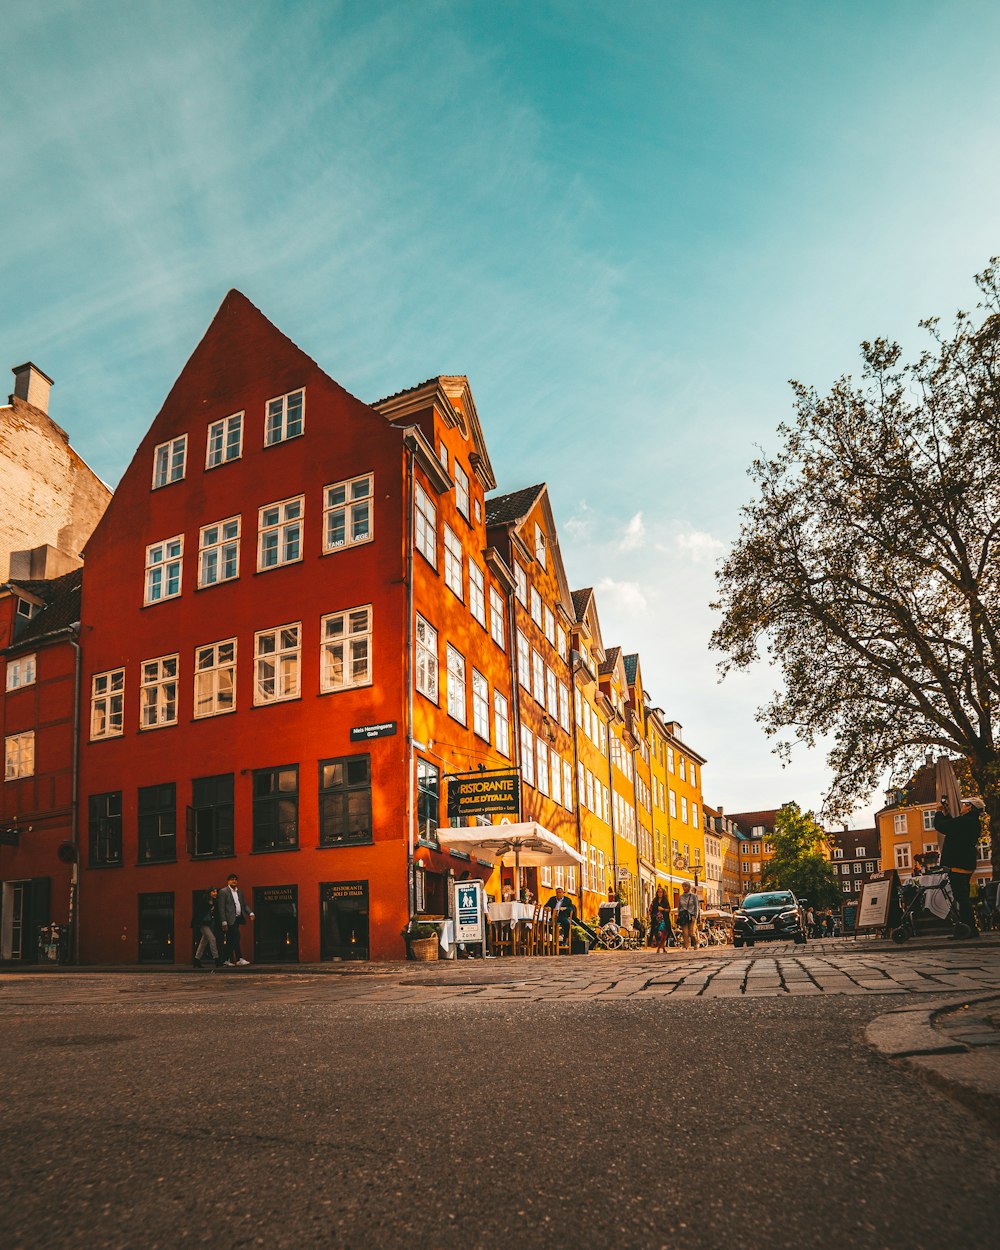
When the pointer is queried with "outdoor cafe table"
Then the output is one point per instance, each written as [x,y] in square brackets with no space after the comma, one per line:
[513,913]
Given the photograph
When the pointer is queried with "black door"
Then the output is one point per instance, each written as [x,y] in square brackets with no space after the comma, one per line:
[276,924]
[343,920]
[156,928]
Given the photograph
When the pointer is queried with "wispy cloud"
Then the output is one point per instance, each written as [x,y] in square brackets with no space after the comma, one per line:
[621,596]
[635,534]
[699,547]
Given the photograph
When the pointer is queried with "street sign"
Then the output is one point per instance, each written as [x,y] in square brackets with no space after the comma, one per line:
[484,794]
[468,911]
[384,729]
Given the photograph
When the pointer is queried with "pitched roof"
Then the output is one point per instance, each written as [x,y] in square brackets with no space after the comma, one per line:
[751,820]
[407,390]
[631,667]
[580,600]
[61,596]
[610,659]
[504,509]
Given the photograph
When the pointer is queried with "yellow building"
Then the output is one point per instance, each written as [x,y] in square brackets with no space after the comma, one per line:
[637,718]
[614,685]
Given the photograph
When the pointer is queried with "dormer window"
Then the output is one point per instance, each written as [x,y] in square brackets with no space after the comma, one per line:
[286,418]
[26,609]
[169,462]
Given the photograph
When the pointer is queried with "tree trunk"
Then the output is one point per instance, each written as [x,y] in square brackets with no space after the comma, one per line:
[986,774]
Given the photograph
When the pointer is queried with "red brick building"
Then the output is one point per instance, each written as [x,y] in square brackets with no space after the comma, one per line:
[293,629]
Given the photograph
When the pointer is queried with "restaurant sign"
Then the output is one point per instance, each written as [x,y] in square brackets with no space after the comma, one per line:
[484,794]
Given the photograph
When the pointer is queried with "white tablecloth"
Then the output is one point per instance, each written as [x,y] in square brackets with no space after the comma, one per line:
[510,911]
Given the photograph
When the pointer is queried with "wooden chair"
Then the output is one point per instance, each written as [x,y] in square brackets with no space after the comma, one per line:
[561,938]
[502,940]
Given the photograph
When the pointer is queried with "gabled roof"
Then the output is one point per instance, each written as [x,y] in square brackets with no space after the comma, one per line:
[631,667]
[581,598]
[513,507]
[611,657]
[748,821]
[451,394]
[61,597]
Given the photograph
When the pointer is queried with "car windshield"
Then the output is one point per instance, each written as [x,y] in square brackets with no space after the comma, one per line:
[768,900]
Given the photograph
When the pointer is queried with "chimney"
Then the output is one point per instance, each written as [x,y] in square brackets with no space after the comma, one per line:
[33,386]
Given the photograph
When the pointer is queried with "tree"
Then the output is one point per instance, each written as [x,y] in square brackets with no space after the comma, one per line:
[867,565]
[798,863]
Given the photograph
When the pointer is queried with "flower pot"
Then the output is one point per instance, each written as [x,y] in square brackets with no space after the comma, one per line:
[424,950]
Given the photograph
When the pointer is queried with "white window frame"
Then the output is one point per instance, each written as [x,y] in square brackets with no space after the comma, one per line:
[287,681]
[107,698]
[477,592]
[501,723]
[520,585]
[288,525]
[277,425]
[527,755]
[461,490]
[21,672]
[523,662]
[537,677]
[19,755]
[480,705]
[549,624]
[498,613]
[542,766]
[163,559]
[899,824]
[214,678]
[350,501]
[561,642]
[453,577]
[222,550]
[158,687]
[567,785]
[928,815]
[456,680]
[426,667]
[555,776]
[347,636]
[564,706]
[902,855]
[226,448]
[425,525]
[536,606]
[170,462]
[540,546]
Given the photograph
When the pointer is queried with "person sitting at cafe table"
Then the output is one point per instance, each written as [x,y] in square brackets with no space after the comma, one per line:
[562,908]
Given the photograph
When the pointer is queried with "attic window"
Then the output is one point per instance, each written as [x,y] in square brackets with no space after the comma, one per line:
[169,460]
[540,545]
[26,609]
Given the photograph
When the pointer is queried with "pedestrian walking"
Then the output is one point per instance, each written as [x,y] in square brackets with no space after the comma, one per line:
[233,913]
[828,924]
[811,922]
[958,854]
[688,911]
[659,919]
[204,922]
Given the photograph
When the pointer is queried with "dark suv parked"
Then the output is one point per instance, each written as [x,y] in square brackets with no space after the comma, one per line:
[772,914]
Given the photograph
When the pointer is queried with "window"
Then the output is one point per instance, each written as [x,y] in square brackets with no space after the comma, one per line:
[211,816]
[497,608]
[345,800]
[276,808]
[105,829]
[551,693]
[347,513]
[694,820]
[428,800]
[158,693]
[346,649]
[225,441]
[527,755]
[555,775]
[477,593]
[549,624]
[219,552]
[902,855]
[683,767]
[838,852]
[425,526]
[673,804]
[453,561]
[277,654]
[461,490]
[899,823]
[845,869]
[869,865]
[157,823]
[443,456]
[427,659]
[536,607]
[279,538]
[670,758]
[540,545]
[567,772]
[480,705]
[19,755]
[561,641]
[21,672]
[564,706]
[523,661]
[501,723]
[163,569]
[456,685]
[857,869]
[542,769]
[286,418]
[928,816]
[847,887]
[168,461]
[521,584]
[538,672]
[859,851]
[107,701]
[215,678]
[755,848]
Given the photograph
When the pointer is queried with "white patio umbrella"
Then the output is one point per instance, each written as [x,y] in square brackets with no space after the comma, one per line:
[525,845]
[946,785]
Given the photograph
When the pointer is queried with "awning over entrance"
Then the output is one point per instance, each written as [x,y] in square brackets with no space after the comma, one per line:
[525,845]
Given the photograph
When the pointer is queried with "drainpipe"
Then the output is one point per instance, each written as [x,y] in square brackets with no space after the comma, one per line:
[515,702]
[411,765]
[573,666]
[74,889]
[614,823]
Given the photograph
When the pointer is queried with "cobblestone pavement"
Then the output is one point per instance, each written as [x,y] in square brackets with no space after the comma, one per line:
[776,971]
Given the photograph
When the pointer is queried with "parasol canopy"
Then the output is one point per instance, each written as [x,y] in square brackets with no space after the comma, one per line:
[946,785]
[524,845]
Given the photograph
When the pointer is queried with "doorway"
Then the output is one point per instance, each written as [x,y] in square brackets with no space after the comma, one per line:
[343,920]
[276,924]
[24,908]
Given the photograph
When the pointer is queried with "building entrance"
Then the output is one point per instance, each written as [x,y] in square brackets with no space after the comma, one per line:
[276,924]
[343,920]
[156,928]
[24,908]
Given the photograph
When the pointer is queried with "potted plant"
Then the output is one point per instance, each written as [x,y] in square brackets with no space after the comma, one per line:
[579,941]
[422,940]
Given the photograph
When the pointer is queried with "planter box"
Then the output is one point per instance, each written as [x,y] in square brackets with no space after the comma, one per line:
[579,946]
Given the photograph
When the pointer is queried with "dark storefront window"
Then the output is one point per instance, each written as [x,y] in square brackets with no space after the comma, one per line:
[276,808]
[432,892]
[428,800]
[276,924]
[345,800]
[210,816]
[105,829]
[156,928]
[343,920]
[157,823]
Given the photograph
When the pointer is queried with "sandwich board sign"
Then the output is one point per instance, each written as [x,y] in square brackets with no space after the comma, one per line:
[876,897]
[467,911]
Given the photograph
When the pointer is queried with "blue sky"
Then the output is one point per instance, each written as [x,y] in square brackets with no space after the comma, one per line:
[628,223]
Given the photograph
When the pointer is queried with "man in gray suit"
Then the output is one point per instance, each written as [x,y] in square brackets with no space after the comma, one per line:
[233,912]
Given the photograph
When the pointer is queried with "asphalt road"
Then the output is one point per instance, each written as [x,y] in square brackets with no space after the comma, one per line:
[245,1119]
